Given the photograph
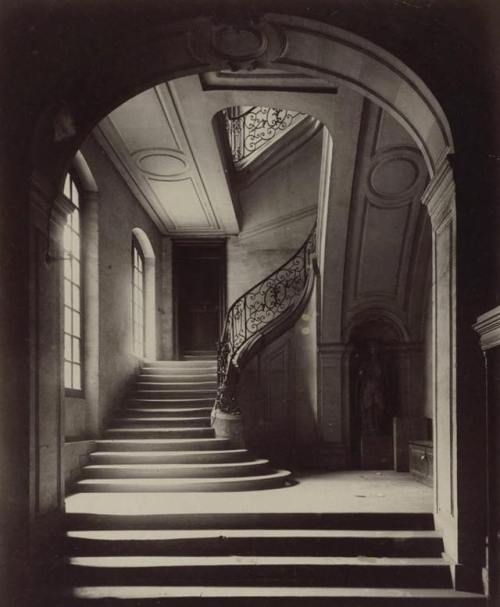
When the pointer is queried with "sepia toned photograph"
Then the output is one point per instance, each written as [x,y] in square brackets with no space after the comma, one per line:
[249,303]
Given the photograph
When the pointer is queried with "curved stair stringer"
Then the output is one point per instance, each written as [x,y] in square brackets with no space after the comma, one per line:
[231,365]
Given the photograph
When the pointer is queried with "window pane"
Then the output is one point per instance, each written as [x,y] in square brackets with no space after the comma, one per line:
[67,266]
[75,245]
[77,379]
[76,350]
[67,347]
[68,381]
[75,271]
[67,319]
[75,303]
[67,292]
[76,324]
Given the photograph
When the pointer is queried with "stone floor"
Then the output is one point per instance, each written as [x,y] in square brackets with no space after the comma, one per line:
[347,491]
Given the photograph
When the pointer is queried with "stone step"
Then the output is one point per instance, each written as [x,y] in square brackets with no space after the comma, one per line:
[163,412]
[181,371]
[264,542]
[152,422]
[141,518]
[268,596]
[178,376]
[271,480]
[162,444]
[154,471]
[353,572]
[168,403]
[153,383]
[168,457]
[169,394]
[180,364]
[200,355]
[159,432]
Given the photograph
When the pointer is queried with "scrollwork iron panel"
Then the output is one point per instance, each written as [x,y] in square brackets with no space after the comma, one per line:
[250,130]
[255,311]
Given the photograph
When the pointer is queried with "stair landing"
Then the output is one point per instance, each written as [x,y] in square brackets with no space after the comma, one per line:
[316,492]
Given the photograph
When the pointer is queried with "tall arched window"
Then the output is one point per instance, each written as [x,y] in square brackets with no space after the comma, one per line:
[138,303]
[72,292]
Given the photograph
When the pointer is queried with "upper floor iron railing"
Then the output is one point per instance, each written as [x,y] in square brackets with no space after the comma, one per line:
[250,130]
[256,313]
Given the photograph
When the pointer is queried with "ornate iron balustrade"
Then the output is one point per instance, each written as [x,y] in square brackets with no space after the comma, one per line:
[257,312]
[251,129]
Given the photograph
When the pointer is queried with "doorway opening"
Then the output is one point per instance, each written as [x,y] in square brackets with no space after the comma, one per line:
[199,292]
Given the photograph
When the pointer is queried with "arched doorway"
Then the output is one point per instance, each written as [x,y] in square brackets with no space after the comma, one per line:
[374,393]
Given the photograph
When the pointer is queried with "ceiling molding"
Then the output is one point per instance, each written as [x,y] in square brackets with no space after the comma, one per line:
[102,134]
[162,155]
[278,222]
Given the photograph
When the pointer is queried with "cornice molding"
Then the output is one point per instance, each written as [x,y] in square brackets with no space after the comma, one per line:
[273,224]
[488,328]
[439,195]
[48,207]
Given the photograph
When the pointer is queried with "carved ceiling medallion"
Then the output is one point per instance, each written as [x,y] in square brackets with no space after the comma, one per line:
[161,164]
[244,44]
[394,179]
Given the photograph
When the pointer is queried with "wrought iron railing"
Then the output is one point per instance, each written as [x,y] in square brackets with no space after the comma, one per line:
[257,312]
[252,129]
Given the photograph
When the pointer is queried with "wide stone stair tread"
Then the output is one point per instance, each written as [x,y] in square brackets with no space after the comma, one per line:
[193,385]
[275,570]
[142,516]
[162,534]
[178,364]
[186,457]
[170,394]
[273,479]
[297,542]
[170,422]
[271,596]
[173,401]
[152,444]
[158,432]
[163,412]
[175,376]
[176,470]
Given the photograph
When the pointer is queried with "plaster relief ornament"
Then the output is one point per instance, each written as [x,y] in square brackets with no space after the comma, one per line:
[64,124]
[245,44]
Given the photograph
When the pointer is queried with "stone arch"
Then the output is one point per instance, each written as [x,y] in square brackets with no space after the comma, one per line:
[286,42]
[321,50]
[85,176]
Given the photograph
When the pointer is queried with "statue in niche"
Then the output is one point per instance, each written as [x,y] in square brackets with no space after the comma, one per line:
[372,394]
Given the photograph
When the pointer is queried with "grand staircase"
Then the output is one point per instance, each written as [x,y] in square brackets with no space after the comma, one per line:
[258,559]
[161,440]
[160,444]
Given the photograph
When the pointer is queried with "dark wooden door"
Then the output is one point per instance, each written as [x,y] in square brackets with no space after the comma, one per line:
[199,274]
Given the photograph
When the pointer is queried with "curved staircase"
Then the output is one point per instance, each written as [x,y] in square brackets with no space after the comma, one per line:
[161,439]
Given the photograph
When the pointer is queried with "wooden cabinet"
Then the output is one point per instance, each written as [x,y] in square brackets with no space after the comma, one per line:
[422,460]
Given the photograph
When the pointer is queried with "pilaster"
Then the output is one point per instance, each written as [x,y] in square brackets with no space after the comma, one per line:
[488,329]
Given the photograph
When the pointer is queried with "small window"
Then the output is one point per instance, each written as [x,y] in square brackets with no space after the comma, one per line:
[138,306]
[72,292]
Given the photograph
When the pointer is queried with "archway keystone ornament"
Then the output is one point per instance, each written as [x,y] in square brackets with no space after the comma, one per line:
[243,44]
